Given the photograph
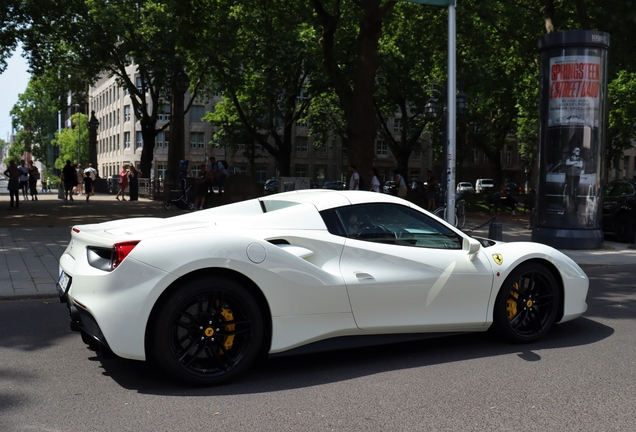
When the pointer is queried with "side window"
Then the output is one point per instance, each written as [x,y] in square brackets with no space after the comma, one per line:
[392,224]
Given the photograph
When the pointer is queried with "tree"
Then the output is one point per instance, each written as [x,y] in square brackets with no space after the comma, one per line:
[67,140]
[349,43]
[11,21]
[265,76]
[409,58]
[35,118]
[80,41]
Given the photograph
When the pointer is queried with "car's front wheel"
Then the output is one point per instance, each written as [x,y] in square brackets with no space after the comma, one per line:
[207,332]
[527,304]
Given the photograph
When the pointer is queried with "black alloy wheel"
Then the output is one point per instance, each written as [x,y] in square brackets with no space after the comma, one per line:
[207,332]
[527,304]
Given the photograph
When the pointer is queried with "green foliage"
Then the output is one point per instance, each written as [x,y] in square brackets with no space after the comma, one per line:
[67,141]
[16,150]
[34,116]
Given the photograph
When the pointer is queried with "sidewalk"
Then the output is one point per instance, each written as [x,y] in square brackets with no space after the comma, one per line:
[33,237]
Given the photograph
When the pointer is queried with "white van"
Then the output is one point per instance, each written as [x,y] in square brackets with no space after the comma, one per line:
[484,186]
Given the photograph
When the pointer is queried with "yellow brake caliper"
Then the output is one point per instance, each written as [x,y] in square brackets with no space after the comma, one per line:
[511,305]
[229,316]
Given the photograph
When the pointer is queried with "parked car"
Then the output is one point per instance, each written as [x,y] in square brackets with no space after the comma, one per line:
[619,209]
[512,187]
[334,185]
[204,295]
[271,187]
[465,187]
[389,188]
[484,186]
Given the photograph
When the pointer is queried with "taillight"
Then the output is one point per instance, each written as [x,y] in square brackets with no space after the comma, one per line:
[121,251]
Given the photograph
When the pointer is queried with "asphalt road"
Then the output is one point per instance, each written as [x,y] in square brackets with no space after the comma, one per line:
[580,377]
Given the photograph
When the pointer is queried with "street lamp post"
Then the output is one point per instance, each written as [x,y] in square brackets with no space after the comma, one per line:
[93,125]
[432,112]
[79,123]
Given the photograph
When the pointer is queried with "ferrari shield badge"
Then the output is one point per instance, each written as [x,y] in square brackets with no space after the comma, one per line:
[498,258]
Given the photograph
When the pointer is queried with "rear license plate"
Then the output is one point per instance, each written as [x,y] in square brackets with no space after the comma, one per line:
[63,283]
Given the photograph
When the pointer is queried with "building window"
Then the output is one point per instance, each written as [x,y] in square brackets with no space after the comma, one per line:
[161,170]
[138,83]
[162,139]
[164,113]
[301,170]
[301,123]
[509,155]
[127,113]
[126,140]
[197,112]
[261,174]
[140,140]
[381,149]
[117,142]
[301,144]
[486,158]
[397,126]
[196,140]
[475,156]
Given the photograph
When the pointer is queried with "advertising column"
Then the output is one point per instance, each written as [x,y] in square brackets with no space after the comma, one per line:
[573,102]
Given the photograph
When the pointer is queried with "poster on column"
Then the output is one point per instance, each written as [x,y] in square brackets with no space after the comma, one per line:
[573,120]
[575,86]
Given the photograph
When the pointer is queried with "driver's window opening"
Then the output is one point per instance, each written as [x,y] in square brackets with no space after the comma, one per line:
[397,225]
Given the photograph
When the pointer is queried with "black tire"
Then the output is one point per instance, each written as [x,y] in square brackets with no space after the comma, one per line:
[527,304]
[624,228]
[207,332]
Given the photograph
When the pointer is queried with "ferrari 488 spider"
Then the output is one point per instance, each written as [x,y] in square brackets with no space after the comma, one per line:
[204,293]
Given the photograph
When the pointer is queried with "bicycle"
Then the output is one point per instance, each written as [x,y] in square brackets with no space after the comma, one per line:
[460,213]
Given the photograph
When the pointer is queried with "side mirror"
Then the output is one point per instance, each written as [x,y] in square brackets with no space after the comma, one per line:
[471,245]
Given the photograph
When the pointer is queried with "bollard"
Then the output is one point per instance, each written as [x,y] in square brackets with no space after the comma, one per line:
[494,231]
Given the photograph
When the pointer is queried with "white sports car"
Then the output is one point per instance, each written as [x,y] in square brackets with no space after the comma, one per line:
[204,293]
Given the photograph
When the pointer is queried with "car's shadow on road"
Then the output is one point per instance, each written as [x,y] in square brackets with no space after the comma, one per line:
[284,373]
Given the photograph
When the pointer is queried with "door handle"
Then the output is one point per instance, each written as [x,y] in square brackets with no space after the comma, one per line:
[361,276]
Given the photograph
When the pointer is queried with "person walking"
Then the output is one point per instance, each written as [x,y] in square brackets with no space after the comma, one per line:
[89,177]
[123,183]
[375,182]
[133,183]
[201,188]
[24,180]
[354,180]
[13,174]
[69,178]
[34,175]
[80,180]
[400,184]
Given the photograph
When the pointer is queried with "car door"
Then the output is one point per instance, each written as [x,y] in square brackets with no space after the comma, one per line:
[405,271]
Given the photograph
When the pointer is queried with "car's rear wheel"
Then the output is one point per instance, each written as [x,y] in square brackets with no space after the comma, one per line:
[527,304]
[207,332]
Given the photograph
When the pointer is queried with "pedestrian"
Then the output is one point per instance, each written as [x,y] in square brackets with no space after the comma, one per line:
[123,183]
[133,183]
[89,177]
[201,188]
[69,178]
[218,173]
[400,184]
[24,180]
[431,190]
[375,182]
[354,180]
[13,174]
[34,176]
[80,180]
